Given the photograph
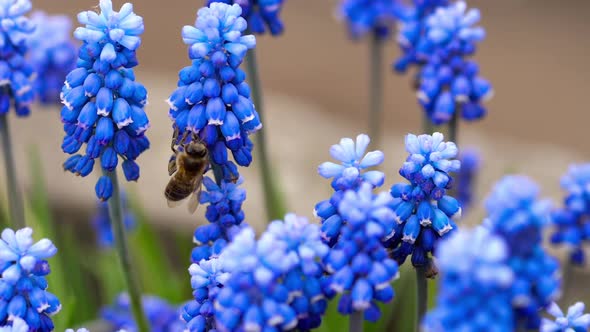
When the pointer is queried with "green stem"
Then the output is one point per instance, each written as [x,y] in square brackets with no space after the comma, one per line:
[453,125]
[422,295]
[356,322]
[272,197]
[375,90]
[118,224]
[17,212]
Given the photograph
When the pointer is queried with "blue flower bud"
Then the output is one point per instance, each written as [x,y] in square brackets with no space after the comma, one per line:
[139,120]
[17,307]
[243,89]
[362,294]
[69,165]
[113,80]
[104,131]
[140,94]
[199,253]
[131,170]
[253,125]
[242,156]
[229,93]
[189,74]
[473,111]
[109,159]
[219,153]
[227,74]
[121,142]
[207,69]
[411,229]
[104,101]
[403,211]
[425,213]
[88,116]
[450,206]
[231,130]
[93,148]
[243,109]
[121,113]
[104,188]
[193,93]
[127,89]
[444,108]
[211,88]
[84,166]
[92,84]
[342,279]
[441,222]
[67,115]
[70,145]
[76,78]
[482,89]
[75,98]
[215,111]
[197,118]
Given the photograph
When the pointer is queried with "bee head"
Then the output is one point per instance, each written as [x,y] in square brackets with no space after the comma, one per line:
[196,149]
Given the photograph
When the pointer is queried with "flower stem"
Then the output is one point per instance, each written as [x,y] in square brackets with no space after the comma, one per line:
[273,200]
[375,89]
[422,294]
[17,214]
[453,125]
[356,322]
[217,172]
[117,222]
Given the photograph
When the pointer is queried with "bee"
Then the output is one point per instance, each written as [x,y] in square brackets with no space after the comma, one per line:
[187,165]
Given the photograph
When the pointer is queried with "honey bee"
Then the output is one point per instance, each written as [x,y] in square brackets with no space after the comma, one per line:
[186,166]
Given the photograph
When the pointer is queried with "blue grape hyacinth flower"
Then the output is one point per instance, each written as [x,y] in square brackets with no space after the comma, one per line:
[52,53]
[574,321]
[224,214]
[23,286]
[448,82]
[467,177]
[16,73]
[101,222]
[207,278]
[352,170]
[103,104]
[518,215]
[571,225]
[423,211]
[161,316]
[369,16]
[274,282]
[475,281]
[18,325]
[212,100]
[358,264]
[261,15]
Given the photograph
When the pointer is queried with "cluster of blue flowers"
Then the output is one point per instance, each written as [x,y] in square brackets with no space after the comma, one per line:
[275,282]
[448,83]
[52,53]
[103,104]
[475,281]
[18,325]
[422,209]
[16,73]
[349,174]
[572,227]
[212,100]
[467,176]
[261,15]
[574,321]
[101,221]
[207,278]
[516,214]
[358,263]
[23,286]
[369,16]
[225,216]
[162,317]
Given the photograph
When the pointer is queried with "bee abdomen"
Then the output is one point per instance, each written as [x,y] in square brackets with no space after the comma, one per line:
[177,191]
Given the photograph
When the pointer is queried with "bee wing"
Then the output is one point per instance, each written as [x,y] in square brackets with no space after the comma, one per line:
[172,167]
[193,201]
[173,204]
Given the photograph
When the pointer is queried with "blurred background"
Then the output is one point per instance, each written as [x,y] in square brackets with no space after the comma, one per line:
[315,84]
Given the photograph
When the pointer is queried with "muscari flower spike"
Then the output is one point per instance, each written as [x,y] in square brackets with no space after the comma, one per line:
[516,213]
[571,222]
[207,278]
[16,73]
[103,104]
[212,100]
[261,15]
[423,211]
[574,321]
[225,216]
[161,316]
[101,222]
[18,325]
[23,287]
[358,264]
[475,281]
[52,53]
[447,81]
[466,178]
[350,172]
[369,16]
[274,282]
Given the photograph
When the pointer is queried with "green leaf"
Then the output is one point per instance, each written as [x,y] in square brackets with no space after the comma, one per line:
[402,316]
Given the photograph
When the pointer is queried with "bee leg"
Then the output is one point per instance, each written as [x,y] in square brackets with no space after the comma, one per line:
[174,139]
[172,167]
